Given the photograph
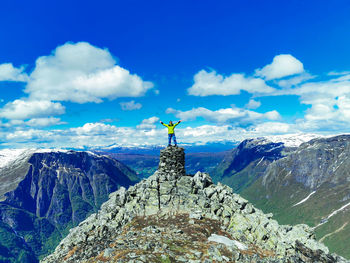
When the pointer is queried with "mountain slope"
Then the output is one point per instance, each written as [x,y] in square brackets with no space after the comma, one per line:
[172,217]
[44,193]
[247,162]
[311,185]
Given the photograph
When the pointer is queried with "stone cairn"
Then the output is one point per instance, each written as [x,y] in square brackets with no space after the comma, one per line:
[172,162]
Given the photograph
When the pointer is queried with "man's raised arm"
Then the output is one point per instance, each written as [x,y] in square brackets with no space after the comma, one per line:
[178,122]
[163,124]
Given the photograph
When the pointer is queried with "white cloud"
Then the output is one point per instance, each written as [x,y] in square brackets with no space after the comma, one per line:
[82,73]
[322,92]
[327,114]
[35,122]
[95,129]
[211,83]
[295,80]
[338,73]
[271,115]
[148,123]
[43,122]
[99,134]
[232,115]
[282,65]
[9,73]
[28,137]
[108,120]
[130,105]
[11,123]
[253,104]
[272,128]
[27,109]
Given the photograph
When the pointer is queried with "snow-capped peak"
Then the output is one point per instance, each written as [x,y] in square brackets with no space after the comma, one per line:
[293,140]
[10,156]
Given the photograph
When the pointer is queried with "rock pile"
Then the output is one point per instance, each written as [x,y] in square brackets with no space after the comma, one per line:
[171,217]
[172,162]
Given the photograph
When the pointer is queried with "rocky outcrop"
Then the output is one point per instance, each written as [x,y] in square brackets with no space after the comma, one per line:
[172,217]
[55,191]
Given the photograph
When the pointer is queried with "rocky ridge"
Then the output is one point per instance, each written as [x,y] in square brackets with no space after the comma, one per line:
[172,217]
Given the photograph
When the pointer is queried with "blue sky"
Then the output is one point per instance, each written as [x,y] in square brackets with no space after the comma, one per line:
[87,73]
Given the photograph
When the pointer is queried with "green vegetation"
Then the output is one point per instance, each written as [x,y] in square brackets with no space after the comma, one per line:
[335,233]
[165,259]
[279,200]
[12,248]
[204,162]
[244,178]
[31,238]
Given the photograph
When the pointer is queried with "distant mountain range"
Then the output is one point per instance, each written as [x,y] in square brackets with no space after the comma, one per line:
[43,193]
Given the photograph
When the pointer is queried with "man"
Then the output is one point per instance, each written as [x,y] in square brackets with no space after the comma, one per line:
[171,132]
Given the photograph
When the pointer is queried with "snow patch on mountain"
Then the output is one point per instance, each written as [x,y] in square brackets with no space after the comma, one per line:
[294,140]
[8,156]
[11,156]
[226,241]
[338,210]
[260,160]
[325,220]
[305,199]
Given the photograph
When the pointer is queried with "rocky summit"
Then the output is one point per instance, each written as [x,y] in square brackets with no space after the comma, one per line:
[173,217]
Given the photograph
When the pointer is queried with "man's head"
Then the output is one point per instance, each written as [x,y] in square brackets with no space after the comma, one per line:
[170,123]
